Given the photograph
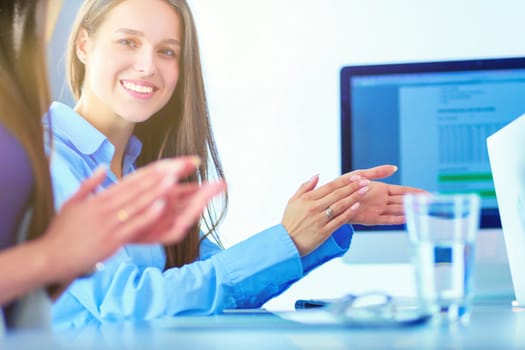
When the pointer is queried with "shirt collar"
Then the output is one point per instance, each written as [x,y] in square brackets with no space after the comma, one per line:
[133,149]
[86,138]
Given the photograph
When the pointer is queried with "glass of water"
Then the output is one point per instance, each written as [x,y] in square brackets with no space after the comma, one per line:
[442,230]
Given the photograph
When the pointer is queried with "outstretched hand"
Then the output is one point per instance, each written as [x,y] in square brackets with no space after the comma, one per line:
[374,173]
[313,214]
[383,203]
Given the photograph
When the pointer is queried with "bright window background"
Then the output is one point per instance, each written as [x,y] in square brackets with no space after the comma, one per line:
[272,73]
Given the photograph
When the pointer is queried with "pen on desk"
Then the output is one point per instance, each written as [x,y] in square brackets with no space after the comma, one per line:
[310,303]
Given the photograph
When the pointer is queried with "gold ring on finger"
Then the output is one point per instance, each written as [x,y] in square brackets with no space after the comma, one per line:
[122,215]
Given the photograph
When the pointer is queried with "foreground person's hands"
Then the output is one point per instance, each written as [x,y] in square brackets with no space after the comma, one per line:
[92,225]
[185,203]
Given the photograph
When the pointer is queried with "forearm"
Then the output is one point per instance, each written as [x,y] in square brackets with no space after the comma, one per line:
[127,289]
[133,285]
[23,268]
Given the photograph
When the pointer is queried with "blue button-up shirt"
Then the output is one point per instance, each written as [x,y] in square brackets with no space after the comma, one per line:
[134,284]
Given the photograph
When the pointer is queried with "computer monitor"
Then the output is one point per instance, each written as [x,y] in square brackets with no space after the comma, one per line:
[431,119]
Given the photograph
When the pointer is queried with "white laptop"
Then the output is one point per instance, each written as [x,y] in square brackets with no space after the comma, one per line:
[506,149]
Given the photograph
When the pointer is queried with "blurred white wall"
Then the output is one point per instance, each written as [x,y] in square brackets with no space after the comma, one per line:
[272,73]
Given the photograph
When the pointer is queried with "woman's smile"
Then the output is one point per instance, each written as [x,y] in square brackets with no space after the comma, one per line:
[139,89]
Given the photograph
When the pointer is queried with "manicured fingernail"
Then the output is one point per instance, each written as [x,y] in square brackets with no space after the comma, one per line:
[363,190]
[355,178]
[395,168]
[355,206]
[313,178]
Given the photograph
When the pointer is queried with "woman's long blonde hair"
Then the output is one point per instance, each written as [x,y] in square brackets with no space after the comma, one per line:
[25,97]
[181,127]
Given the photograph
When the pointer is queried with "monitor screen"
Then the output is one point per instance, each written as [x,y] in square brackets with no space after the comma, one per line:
[432,120]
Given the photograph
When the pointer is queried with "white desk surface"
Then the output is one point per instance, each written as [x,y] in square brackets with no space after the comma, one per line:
[492,326]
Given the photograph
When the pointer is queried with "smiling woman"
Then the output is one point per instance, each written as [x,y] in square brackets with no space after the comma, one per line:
[135,68]
[143,69]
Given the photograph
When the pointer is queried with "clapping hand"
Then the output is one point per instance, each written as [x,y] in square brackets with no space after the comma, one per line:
[383,203]
[313,214]
[93,224]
